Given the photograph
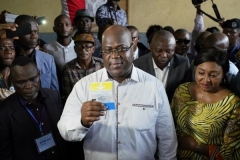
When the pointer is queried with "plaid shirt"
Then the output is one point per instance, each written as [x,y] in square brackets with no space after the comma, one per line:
[73,72]
[106,12]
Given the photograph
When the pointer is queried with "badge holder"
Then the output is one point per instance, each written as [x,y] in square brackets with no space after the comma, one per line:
[45,142]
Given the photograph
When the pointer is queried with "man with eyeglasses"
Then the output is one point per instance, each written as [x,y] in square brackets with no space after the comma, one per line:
[170,68]
[182,37]
[231,28]
[29,117]
[7,55]
[139,125]
[81,66]
[135,38]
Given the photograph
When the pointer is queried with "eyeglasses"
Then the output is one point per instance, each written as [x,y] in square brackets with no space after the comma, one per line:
[158,51]
[134,38]
[4,48]
[119,50]
[85,47]
[185,41]
[24,82]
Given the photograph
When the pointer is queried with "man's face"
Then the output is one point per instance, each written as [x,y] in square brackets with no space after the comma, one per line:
[233,35]
[84,50]
[135,38]
[63,27]
[162,51]
[26,81]
[117,52]
[30,41]
[7,52]
[182,42]
[84,24]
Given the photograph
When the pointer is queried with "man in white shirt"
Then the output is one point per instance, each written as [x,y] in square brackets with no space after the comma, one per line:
[141,122]
[170,68]
[62,49]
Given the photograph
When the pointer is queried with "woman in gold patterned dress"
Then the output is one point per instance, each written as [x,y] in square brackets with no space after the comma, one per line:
[206,113]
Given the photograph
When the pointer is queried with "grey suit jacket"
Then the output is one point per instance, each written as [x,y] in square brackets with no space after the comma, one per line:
[179,71]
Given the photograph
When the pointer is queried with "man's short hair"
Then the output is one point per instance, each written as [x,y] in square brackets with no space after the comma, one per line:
[23,19]
[22,61]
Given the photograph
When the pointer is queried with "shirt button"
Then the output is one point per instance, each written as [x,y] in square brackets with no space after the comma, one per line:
[37,109]
[52,152]
[143,108]
[42,123]
[118,103]
[118,122]
[119,142]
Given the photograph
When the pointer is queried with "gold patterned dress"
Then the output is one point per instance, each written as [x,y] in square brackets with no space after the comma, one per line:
[213,124]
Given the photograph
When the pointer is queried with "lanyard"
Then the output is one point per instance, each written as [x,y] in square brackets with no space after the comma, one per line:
[38,123]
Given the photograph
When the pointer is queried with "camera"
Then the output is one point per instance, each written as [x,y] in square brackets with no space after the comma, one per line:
[196,2]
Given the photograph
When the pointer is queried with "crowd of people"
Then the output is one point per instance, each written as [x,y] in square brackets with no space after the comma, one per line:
[176,98]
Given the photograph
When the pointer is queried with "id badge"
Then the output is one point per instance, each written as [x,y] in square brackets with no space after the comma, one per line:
[45,142]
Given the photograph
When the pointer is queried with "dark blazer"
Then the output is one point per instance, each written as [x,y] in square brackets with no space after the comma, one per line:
[179,71]
[141,52]
[18,130]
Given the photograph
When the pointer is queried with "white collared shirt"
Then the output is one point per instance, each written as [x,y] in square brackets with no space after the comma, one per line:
[135,56]
[61,54]
[131,131]
[162,75]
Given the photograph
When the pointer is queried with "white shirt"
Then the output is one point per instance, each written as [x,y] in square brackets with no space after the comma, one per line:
[144,116]
[162,75]
[61,54]
[135,56]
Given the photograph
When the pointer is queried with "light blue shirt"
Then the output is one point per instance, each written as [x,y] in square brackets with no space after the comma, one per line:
[141,123]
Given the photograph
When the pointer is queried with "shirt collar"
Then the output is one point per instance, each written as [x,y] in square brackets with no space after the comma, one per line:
[134,75]
[59,46]
[156,67]
[118,8]
[40,99]
[136,54]
[92,61]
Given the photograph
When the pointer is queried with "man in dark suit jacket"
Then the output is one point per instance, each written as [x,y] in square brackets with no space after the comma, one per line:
[170,68]
[28,118]
[138,52]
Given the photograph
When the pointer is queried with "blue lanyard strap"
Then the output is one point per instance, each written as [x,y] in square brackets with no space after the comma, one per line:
[31,114]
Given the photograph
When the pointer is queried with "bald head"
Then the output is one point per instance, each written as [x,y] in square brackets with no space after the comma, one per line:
[117,32]
[216,40]
[201,38]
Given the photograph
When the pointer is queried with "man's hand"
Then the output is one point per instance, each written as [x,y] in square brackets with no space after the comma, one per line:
[91,112]
[4,27]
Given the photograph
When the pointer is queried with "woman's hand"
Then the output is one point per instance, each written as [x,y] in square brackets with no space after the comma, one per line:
[187,142]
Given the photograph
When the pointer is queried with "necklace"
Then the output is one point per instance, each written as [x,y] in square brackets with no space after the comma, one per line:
[202,95]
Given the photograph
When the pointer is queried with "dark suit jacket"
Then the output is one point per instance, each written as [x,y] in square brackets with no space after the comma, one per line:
[141,52]
[18,130]
[179,71]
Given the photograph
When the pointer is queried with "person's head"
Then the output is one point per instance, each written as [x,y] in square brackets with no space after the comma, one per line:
[162,47]
[117,52]
[213,29]
[211,68]
[101,30]
[200,39]
[83,20]
[28,41]
[231,28]
[62,26]
[84,46]
[182,41]
[169,29]
[151,30]
[25,78]
[113,2]
[135,36]
[7,52]
[216,40]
